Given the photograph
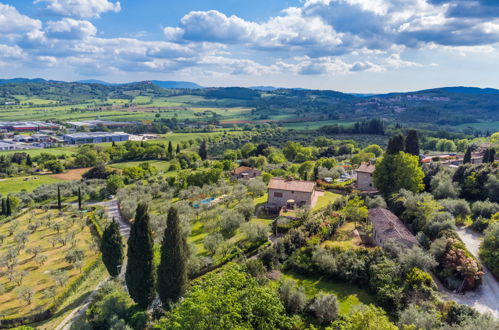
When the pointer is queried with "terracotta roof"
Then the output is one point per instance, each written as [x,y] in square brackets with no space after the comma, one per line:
[291,185]
[242,169]
[388,226]
[366,168]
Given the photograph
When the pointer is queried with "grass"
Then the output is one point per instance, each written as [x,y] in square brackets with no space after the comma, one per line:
[62,151]
[344,237]
[38,276]
[325,200]
[160,165]
[349,296]
[490,125]
[73,301]
[28,183]
[311,125]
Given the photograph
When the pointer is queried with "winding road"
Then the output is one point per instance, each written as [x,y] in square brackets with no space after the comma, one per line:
[486,298]
[113,212]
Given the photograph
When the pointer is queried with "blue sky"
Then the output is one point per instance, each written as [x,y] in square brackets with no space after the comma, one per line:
[345,45]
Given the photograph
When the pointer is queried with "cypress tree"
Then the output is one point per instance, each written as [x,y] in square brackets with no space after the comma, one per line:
[467,156]
[139,275]
[178,148]
[486,156]
[59,203]
[203,153]
[170,147]
[395,144]
[4,207]
[172,270]
[8,209]
[79,198]
[412,143]
[112,249]
[492,155]
[28,161]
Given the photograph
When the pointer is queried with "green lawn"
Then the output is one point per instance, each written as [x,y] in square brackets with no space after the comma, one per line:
[160,165]
[348,295]
[14,185]
[325,200]
[67,151]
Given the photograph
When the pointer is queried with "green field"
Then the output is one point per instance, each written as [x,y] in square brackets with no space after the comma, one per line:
[66,151]
[316,124]
[37,275]
[490,125]
[29,183]
[349,295]
[160,165]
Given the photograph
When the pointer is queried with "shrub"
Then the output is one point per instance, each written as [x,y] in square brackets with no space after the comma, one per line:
[489,250]
[325,308]
[293,297]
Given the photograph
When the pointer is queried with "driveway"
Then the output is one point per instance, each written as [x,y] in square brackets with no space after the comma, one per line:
[486,297]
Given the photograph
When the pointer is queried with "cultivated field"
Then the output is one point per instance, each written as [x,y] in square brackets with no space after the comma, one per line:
[43,253]
[28,183]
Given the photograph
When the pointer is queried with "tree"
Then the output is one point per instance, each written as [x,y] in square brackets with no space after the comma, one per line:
[203,153]
[139,276]
[467,156]
[325,308]
[178,149]
[395,144]
[29,162]
[8,208]
[412,143]
[114,182]
[59,202]
[172,270]
[4,206]
[112,249]
[170,148]
[79,198]
[489,249]
[25,293]
[395,172]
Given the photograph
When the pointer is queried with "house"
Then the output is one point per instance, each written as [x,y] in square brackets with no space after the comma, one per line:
[387,226]
[365,177]
[245,172]
[290,193]
[95,137]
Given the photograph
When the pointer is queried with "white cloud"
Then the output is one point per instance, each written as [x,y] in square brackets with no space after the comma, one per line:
[12,22]
[69,28]
[81,8]
[11,52]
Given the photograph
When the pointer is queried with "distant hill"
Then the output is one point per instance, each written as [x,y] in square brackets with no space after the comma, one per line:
[469,90]
[176,84]
[22,80]
[99,82]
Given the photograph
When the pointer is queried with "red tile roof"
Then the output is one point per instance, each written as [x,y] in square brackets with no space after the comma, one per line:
[366,168]
[388,226]
[242,169]
[291,185]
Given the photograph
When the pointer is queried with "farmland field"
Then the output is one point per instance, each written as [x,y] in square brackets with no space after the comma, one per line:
[160,165]
[43,231]
[28,183]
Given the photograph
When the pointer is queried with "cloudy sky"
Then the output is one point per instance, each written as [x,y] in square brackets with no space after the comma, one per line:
[346,45]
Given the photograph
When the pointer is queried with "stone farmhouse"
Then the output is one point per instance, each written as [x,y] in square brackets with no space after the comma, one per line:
[245,172]
[387,226]
[290,193]
[365,177]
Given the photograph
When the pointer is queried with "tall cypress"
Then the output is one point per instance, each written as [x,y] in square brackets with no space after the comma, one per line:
[170,147]
[467,156]
[492,155]
[412,143]
[112,249]
[29,162]
[178,148]
[59,202]
[139,275]
[203,153]
[395,144]
[4,207]
[8,208]
[79,198]
[486,156]
[172,270]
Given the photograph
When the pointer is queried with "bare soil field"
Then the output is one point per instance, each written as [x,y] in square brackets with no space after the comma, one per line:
[71,175]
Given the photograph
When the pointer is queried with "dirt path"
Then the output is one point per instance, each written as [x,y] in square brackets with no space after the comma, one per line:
[113,213]
[486,298]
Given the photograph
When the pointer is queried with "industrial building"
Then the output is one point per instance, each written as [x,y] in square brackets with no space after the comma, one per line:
[95,137]
[23,126]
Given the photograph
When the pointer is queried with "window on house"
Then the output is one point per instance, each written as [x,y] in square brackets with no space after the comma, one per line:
[277,194]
